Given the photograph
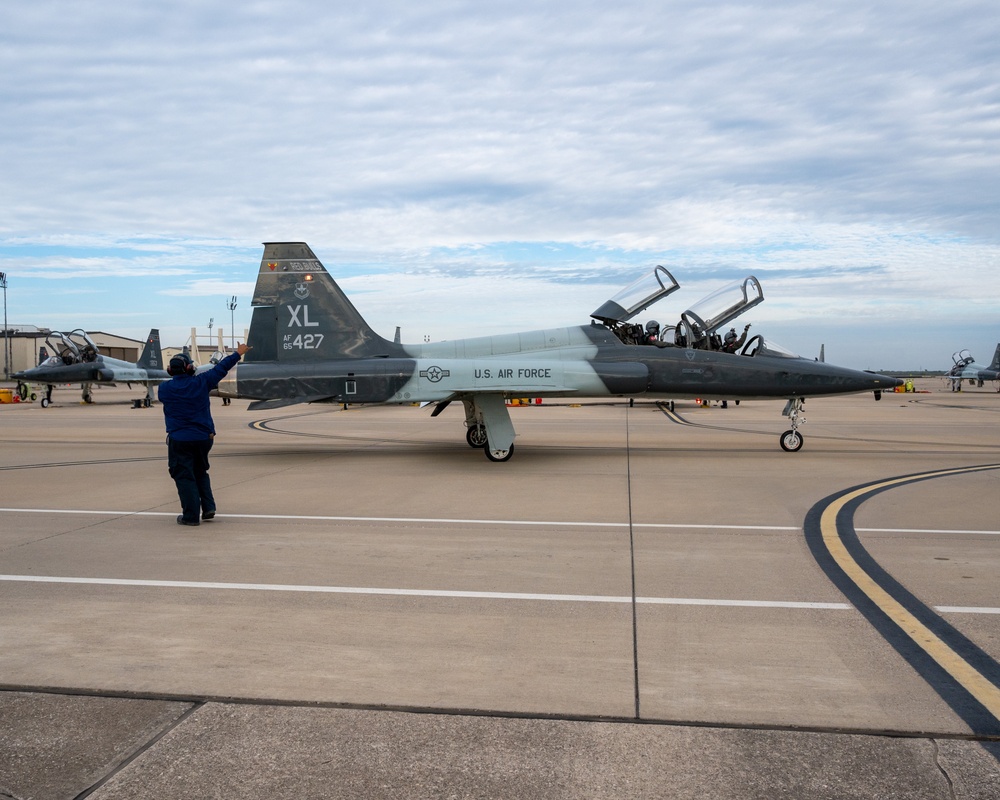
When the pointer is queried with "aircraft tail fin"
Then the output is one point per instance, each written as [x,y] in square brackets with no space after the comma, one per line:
[152,357]
[301,314]
[996,359]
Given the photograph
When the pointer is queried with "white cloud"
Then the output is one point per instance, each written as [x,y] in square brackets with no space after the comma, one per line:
[851,152]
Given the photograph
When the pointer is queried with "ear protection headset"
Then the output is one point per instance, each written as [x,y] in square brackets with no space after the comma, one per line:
[181,364]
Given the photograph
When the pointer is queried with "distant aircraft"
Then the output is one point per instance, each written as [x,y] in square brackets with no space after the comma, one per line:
[966,368]
[310,345]
[76,359]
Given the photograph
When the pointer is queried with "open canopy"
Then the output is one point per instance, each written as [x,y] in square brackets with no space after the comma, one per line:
[70,348]
[637,296]
[720,308]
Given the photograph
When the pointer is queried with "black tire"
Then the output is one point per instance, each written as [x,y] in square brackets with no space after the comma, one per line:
[499,455]
[475,435]
[791,441]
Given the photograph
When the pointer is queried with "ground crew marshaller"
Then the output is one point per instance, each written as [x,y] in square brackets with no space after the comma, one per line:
[191,431]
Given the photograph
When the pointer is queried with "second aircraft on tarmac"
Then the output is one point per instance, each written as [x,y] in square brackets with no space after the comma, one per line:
[310,345]
[966,368]
[76,359]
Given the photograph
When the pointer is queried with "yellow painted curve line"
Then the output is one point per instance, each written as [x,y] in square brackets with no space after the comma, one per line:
[970,678]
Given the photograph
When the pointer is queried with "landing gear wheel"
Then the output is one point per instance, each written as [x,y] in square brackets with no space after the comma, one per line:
[45,402]
[146,403]
[791,441]
[498,455]
[476,436]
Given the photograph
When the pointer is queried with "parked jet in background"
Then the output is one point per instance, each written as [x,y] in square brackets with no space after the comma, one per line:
[76,359]
[966,368]
[310,345]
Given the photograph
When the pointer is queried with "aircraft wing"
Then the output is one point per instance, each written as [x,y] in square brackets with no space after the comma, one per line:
[281,402]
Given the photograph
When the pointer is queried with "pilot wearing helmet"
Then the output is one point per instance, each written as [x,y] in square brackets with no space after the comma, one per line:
[652,332]
[732,343]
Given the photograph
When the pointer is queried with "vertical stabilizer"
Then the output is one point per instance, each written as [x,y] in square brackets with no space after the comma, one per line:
[151,357]
[300,314]
[995,366]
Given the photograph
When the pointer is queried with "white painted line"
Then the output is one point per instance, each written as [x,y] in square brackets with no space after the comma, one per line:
[551,598]
[966,610]
[450,521]
[548,598]
[923,530]
[690,601]
[89,511]
[414,520]
[279,587]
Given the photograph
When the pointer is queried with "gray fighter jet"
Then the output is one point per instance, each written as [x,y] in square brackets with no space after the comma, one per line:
[964,367]
[310,345]
[76,359]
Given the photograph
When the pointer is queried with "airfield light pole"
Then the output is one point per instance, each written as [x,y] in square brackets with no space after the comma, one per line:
[232,330]
[6,330]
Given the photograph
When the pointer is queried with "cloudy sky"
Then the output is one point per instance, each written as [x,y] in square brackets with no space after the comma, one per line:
[472,168]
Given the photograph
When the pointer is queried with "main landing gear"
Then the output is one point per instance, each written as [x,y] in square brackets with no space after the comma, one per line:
[488,426]
[477,438]
[791,440]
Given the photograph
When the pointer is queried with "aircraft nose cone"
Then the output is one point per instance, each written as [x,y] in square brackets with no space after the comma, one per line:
[885,381]
[882,383]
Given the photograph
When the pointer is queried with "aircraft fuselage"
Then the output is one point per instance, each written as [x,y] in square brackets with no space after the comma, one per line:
[586,361]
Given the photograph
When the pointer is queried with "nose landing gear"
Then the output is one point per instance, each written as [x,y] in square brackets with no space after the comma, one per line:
[791,440]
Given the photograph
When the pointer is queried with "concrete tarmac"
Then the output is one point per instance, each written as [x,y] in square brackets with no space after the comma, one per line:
[638,604]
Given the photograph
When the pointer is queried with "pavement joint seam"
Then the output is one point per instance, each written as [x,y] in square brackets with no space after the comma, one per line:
[943,770]
[202,700]
[142,749]
[631,550]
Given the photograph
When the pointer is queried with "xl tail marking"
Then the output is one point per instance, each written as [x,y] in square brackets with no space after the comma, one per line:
[300,314]
[152,357]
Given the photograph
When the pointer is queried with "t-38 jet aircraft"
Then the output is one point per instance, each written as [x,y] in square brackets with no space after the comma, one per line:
[310,345]
[76,359]
[966,368]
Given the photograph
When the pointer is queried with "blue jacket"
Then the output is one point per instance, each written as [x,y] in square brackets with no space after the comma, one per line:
[186,407]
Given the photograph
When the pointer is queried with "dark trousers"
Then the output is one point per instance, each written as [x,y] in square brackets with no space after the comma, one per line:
[188,465]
